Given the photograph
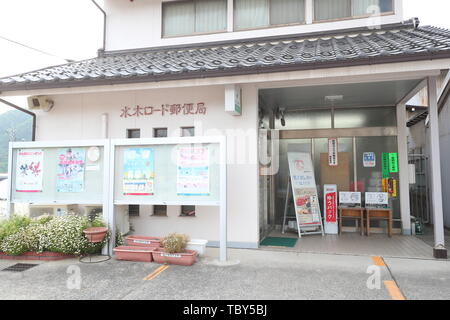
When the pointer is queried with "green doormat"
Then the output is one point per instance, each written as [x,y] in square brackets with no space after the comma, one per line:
[279,242]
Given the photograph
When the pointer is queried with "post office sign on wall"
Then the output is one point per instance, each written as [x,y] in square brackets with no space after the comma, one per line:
[233,99]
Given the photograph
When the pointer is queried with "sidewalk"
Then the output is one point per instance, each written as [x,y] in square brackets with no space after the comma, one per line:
[259,275]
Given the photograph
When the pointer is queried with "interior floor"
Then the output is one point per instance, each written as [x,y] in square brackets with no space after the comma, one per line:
[355,244]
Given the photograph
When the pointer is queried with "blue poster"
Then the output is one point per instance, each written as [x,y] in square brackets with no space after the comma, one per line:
[70,171]
[138,171]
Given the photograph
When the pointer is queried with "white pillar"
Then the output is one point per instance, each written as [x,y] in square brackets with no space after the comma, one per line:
[402,141]
[230,16]
[9,204]
[223,201]
[435,164]
[309,11]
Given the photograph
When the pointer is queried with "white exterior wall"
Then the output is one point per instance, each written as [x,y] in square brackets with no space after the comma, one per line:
[444,128]
[78,116]
[137,24]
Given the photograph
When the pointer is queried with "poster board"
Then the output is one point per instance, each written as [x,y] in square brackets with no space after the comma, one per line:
[183,174]
[62,180]
[304,190]
[339,174]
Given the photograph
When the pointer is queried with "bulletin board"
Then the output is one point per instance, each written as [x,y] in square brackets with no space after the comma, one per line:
[338,175]
[50,188]
[166,185]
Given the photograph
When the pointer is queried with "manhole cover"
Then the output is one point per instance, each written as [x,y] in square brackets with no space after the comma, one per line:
[20,267]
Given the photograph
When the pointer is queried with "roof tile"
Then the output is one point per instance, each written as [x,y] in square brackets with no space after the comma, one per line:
[156,64]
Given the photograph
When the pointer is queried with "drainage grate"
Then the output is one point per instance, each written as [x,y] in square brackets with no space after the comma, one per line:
[20,267]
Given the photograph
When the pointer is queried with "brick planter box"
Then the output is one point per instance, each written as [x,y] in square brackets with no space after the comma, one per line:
[142,241]
[183,259]
[44,256]
[133,253]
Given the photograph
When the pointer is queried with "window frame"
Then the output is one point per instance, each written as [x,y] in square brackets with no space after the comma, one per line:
[160,128]
[387,13]
[278,25]
[187,128]
[160,206]
[134,210]
[129,131]
[163,36]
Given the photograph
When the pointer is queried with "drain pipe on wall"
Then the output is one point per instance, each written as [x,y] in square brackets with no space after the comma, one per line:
[105,128]
[12,105]
[104,27]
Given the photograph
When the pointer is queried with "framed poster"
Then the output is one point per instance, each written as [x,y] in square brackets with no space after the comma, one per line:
[70,170]
[350,198]
[304,190]
[377,198]
[139,171]
[193,171]
[29,170]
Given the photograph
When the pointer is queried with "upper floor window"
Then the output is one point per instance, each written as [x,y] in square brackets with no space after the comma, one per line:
[250,14]
[340,9]
[194,16]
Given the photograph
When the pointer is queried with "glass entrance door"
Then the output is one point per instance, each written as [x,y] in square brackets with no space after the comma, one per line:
[353,172]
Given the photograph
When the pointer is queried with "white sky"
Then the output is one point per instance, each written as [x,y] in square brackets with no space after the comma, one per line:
[73,29]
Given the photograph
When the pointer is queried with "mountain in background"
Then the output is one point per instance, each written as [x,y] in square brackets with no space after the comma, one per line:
[14,125]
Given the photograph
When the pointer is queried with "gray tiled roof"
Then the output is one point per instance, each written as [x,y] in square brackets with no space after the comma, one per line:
[404,42]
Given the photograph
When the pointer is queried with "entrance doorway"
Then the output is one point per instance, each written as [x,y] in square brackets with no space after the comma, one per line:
[363,119]
[351,174]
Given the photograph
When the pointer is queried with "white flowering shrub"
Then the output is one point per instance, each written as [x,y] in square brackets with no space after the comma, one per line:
[58,234]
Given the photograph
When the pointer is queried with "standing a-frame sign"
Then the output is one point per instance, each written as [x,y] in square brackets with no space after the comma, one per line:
[304,190]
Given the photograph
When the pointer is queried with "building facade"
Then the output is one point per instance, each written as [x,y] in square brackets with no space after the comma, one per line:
[306,71]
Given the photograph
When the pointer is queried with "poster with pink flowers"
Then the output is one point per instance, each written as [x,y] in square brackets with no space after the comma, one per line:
[29,170]
[70,171]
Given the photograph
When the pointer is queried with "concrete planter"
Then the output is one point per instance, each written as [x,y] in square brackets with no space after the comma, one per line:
[142,241]
[186,258]
[133,253]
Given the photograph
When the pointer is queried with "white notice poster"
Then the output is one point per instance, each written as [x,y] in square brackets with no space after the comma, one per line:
[304,190]
[193,171]
[29,170]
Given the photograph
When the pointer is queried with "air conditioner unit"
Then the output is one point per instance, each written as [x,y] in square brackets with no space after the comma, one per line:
[40,103]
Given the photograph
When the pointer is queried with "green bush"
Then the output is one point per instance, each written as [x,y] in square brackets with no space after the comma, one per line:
[119,238]
[58,234]
[175,243]
[12,225]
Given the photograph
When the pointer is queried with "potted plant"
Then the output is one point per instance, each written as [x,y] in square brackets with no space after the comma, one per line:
[96,231]
[174,251]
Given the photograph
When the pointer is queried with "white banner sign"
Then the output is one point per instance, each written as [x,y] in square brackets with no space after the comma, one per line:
[333,152]
[304,190]
[29,170]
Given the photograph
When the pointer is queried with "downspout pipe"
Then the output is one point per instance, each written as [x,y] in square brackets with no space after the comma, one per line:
[33,115]
[104,26]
